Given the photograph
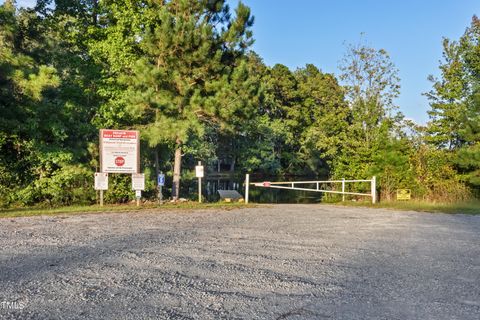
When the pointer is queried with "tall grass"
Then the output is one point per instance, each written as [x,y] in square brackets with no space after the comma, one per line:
[35,211]
[463,207]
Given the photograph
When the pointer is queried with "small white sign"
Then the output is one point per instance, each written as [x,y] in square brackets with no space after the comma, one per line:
[138,194]
[199,172]
[101,181]
[138,181]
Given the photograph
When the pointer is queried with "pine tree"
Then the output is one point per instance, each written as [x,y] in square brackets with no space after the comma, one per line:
[455,102]
[187,56]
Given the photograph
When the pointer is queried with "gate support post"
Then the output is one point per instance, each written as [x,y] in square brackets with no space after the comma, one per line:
[374,189]
[247,186]
[343,189]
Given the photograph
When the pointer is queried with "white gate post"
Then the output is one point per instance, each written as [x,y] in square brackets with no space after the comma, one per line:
[343,189]
[374,189]
[247,186]
[199,185]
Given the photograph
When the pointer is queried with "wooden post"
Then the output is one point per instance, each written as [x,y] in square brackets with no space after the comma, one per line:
[374,189]
[160,195]
[101,161]
[247,186]
[343,189]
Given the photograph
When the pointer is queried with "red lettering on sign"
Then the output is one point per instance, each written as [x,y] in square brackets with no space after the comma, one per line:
[119,161]
[119,134]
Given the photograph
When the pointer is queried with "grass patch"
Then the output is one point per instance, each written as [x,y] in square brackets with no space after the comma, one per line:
[470,207]
[38,211]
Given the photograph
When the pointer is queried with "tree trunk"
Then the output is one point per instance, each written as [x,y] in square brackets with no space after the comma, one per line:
[176,172]
[94,12]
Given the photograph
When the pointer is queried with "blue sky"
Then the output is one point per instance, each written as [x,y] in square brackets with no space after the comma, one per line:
[307,31]
[298,32]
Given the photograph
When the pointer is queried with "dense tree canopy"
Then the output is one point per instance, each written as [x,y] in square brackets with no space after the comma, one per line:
[183,73]
[455,101]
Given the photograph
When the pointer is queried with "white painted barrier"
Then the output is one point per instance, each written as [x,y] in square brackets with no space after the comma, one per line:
[293,185]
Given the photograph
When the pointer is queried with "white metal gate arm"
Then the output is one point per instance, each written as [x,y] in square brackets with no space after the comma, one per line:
[313,190]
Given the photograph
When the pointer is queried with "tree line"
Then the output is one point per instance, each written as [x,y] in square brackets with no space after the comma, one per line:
[184,74]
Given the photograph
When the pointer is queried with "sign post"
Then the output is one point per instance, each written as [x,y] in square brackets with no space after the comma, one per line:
[160,183]
[138,184]
[101,183]
[247,186]
[138,196]
[199,173]
[373,186]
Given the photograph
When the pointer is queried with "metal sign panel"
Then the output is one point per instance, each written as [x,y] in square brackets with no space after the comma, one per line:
[138,181]
[404,194]
[101,181]
[199,171]
[119,151]
[161,180]
[229,194]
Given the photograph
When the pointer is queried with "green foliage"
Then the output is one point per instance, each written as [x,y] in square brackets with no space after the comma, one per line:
[455,103]
[182,73]
[435,177]
[391,165]
[468,158]
[373,143]
[44,126]
[119,189]
[71,184]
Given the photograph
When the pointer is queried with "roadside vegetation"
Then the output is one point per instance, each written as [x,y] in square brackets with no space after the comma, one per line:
[465,207]
[468,207]
[76,209]
[184,74]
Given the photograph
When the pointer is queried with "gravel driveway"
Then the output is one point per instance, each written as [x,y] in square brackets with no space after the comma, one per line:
[269,262]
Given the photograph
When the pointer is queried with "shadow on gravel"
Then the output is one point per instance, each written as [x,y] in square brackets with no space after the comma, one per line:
[24,267]
[284,262]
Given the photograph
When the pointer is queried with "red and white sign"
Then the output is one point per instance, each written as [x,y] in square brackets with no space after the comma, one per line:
[119,151]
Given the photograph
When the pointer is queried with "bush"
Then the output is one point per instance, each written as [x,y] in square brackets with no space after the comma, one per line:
[68,185]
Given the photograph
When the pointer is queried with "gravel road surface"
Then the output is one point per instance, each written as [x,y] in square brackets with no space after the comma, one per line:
[268,262]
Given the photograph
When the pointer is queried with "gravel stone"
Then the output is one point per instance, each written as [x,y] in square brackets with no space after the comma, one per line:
[269,262]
